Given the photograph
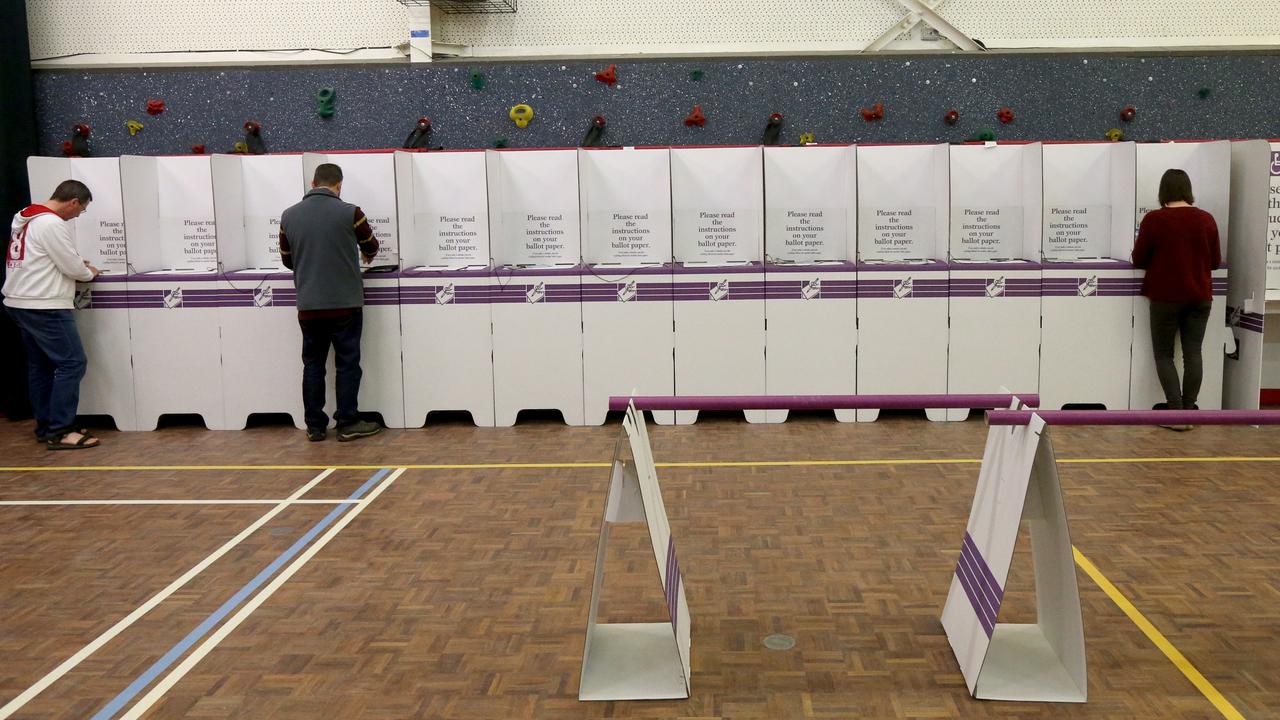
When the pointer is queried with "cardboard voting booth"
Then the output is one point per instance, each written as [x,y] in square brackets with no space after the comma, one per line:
[811,317]
[994,281]
[103,317]
[718,285]
[536,293]
[1042,661]
[625,200]
[903,230]
[638,661]
[173,288]
[257,311]
[369,181]
[1209,165]
[1254,165]
[444,286]
[1087,282]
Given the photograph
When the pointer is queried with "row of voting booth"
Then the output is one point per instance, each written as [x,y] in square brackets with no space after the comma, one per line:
[551,279]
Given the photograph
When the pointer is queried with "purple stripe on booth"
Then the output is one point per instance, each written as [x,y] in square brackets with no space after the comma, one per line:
[989,605]
[985,573]
[979,609]
[974,575]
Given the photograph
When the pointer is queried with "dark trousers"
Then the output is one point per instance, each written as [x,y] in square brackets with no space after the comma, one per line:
[1189,321]
[55,365]
[343,334]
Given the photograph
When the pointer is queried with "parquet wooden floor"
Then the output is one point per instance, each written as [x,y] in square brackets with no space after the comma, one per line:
[463,592]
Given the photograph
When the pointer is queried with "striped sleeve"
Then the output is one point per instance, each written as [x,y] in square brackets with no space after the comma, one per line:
[364,235]
[285,256]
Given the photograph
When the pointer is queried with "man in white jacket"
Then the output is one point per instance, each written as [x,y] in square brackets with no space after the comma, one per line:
[39,292]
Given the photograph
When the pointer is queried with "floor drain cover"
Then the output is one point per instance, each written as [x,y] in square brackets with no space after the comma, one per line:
[779,642]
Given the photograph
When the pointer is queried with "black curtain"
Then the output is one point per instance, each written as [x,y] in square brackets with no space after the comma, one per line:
[17,142]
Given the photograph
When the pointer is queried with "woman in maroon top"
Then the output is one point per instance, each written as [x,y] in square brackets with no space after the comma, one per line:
[1178,247]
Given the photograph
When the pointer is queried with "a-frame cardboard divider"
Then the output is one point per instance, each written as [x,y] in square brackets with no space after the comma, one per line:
[637,661]
[1044,661]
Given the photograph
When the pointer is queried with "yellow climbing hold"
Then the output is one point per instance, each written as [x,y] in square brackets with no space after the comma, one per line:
[133,126]
[521,114]
[807,138]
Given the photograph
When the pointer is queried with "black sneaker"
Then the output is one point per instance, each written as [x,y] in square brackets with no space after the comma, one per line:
[316,434]
[357,430]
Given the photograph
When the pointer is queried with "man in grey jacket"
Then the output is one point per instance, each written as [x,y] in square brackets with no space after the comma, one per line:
[323,240]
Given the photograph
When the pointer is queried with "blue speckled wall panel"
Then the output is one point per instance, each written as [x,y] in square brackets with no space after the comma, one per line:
[1054,97]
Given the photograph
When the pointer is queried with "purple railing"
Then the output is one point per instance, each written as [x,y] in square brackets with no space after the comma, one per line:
[1137,417]
[820,402]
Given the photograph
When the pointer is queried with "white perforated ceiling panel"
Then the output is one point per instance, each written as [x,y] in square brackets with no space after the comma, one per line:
[617,27]
[642,25]
[66,27]
[1108,23]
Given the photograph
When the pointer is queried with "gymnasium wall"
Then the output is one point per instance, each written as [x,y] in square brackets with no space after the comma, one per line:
[1052,96]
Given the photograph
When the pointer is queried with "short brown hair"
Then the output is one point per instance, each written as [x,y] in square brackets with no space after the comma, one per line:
[1175,185]
[68,190]
[327,175]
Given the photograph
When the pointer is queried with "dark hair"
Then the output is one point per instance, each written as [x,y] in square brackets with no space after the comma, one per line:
[72,190]
[327,175]
[1175,186]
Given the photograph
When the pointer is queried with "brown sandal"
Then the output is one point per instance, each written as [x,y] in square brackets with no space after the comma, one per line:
[86,441]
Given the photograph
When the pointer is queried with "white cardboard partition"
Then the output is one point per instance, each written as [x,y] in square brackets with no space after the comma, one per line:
[444,290]
[903,230]
[1273,221]
[717,205]
[173,288]
[811,281]
[995,202]
[628,344]
[1087,285]
[1044,661]
[368,180]
[537,314]
[1252,165]
[103,324]
[1209,165]
[994,281]
[257,309]
[638,661]
[1088,201]
[994,311]
[903,205]
[717,197]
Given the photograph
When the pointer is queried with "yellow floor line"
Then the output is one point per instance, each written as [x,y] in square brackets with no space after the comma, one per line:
[554,465]
[1159,640]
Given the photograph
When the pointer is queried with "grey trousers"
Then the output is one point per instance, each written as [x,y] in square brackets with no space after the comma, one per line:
[1167,321]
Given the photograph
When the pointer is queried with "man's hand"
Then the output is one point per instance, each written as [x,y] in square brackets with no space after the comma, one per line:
[367,259]
[96,272]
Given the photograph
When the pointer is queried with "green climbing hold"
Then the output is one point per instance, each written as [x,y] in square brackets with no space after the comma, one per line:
[477,80]
[325,98]
[986,135]
[500,142]
[1204,93]
[695,75]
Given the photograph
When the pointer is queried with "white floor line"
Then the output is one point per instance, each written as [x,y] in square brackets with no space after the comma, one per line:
[70,663]
[196,655]
[277,501]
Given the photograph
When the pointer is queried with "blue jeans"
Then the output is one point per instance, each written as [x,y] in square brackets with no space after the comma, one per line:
[343,334]
[55,365]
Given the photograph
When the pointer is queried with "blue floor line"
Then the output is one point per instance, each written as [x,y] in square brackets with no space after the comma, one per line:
[129,693]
